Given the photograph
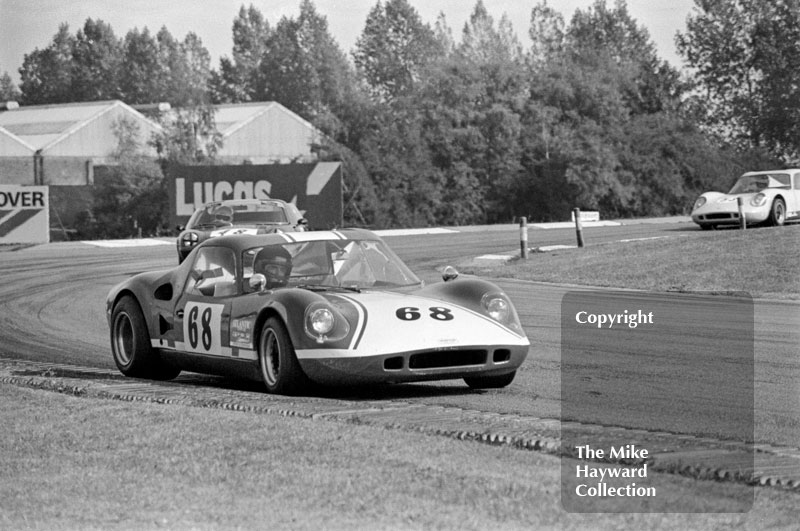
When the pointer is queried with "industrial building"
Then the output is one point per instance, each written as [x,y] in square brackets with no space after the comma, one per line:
[61,145]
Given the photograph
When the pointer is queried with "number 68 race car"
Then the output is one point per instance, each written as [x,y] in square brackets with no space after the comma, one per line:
[335,307]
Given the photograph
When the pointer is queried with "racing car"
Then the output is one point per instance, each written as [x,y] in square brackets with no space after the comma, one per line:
[238,216]
[768,197]
[298,309]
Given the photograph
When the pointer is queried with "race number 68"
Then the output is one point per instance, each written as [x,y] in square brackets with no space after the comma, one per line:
[409,313]
[201,329]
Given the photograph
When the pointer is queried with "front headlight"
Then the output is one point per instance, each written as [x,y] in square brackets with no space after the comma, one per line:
[498,306]
[758,200]
[190,239]
[323,323]
[700,202]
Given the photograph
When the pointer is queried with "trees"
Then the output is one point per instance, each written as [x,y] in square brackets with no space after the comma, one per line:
[96,60]
[46,75]
[8,90]
[189,66]
[393,48]
[240,77]
[141,71]
[305,69]
[598,94]
[96,65]
[746,56]
[131,198]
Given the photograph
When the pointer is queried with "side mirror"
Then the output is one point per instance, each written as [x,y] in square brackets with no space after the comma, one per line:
[449,273]
[180,228]
[258,282]
[303,222]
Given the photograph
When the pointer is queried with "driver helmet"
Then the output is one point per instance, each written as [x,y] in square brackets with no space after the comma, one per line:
[224,213]
[275,263]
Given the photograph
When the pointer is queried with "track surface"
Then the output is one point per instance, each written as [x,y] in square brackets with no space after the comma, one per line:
[52,306]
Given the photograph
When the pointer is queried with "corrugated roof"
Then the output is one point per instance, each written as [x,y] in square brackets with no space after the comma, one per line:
[231,117]
[11,144]
[41,125]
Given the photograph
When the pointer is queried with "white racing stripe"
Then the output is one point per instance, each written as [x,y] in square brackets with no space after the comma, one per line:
[313,236]
[144,242]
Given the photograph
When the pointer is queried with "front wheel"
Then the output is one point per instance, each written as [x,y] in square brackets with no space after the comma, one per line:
[777,214]
[130,344]
[490,382]
[280,370]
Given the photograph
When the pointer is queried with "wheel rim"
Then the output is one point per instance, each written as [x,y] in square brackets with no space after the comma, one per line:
[779,212]
[270,357]
[123,338]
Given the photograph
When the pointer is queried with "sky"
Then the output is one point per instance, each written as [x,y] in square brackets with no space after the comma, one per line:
[29,24]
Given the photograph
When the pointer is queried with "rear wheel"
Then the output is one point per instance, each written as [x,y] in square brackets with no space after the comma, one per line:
[280,370]
[130,344]
[490,382]
[777,214]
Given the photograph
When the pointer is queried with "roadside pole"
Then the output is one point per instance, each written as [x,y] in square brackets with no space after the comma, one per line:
[578,228]
[523,237]
[742,221]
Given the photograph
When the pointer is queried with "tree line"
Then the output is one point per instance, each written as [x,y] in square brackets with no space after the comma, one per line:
[439,128]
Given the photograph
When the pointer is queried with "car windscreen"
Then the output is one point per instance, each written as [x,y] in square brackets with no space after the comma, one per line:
[337,263]
[220,215]
[748,184]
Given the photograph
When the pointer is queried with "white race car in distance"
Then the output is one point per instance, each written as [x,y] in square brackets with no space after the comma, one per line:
[770,197]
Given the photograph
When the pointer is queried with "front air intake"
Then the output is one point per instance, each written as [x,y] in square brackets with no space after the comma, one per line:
[447,358]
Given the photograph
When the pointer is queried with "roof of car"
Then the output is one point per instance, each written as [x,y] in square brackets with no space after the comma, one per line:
[764,172]
[240,242]
[233,202]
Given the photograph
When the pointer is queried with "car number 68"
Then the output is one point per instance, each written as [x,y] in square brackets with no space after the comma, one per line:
[409,313]
[201,328]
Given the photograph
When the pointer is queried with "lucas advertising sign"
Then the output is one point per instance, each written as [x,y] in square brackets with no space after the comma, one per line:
[315,188]
[24,214]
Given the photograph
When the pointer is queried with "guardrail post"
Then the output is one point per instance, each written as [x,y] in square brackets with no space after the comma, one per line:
[742,221]
[578,228]
[523,237]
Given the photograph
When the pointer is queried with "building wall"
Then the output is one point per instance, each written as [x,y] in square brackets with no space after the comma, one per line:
[97,138]
[17,170]
[66,171]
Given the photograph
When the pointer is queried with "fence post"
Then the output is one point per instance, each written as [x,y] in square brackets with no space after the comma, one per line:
[578,228]
[523,237]
[742,221]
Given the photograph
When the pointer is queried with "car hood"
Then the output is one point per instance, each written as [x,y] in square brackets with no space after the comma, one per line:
[248,229]
[388,322]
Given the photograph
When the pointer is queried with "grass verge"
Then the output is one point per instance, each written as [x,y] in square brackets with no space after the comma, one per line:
[761,262]
[84,463]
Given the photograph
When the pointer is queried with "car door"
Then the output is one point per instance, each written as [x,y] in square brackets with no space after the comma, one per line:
[793,201]
[202,312]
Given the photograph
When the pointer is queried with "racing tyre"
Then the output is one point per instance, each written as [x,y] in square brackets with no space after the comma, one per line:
[130,344]
[707,226]
[490,382]
[777,214]
[277,361]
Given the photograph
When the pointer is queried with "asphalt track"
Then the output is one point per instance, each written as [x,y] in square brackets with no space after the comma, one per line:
[52,299]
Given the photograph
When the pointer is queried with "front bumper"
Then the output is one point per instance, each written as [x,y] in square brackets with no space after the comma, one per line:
[725,215]
[415,366]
